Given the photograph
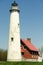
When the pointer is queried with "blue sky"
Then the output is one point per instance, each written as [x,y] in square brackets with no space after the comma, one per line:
[31,21]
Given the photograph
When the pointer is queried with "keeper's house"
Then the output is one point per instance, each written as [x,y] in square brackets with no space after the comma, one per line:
[29,51]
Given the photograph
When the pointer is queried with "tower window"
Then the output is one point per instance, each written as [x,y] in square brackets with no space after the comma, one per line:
[18,24]
[21,45]
[12,39]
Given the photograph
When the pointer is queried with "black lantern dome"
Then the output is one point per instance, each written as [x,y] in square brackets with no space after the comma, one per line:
[14,7]
[14,4]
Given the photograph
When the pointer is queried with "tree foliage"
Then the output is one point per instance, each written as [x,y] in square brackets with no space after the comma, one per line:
[3,55]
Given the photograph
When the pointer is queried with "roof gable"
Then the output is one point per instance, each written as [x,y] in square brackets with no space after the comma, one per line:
[29,45]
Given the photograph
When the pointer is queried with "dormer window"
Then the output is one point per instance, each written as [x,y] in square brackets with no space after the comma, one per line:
[24,47]
[22,53]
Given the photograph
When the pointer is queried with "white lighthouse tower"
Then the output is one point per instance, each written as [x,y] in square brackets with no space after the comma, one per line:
[14,51]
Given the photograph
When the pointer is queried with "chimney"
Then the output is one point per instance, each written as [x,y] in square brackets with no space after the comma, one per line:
[29,39]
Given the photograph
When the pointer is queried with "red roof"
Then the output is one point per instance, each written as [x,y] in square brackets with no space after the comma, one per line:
[29,45]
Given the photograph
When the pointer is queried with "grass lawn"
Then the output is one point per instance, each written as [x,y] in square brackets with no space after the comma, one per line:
[21,63]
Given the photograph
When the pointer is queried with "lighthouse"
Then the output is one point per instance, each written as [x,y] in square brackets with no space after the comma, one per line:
[14,51]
